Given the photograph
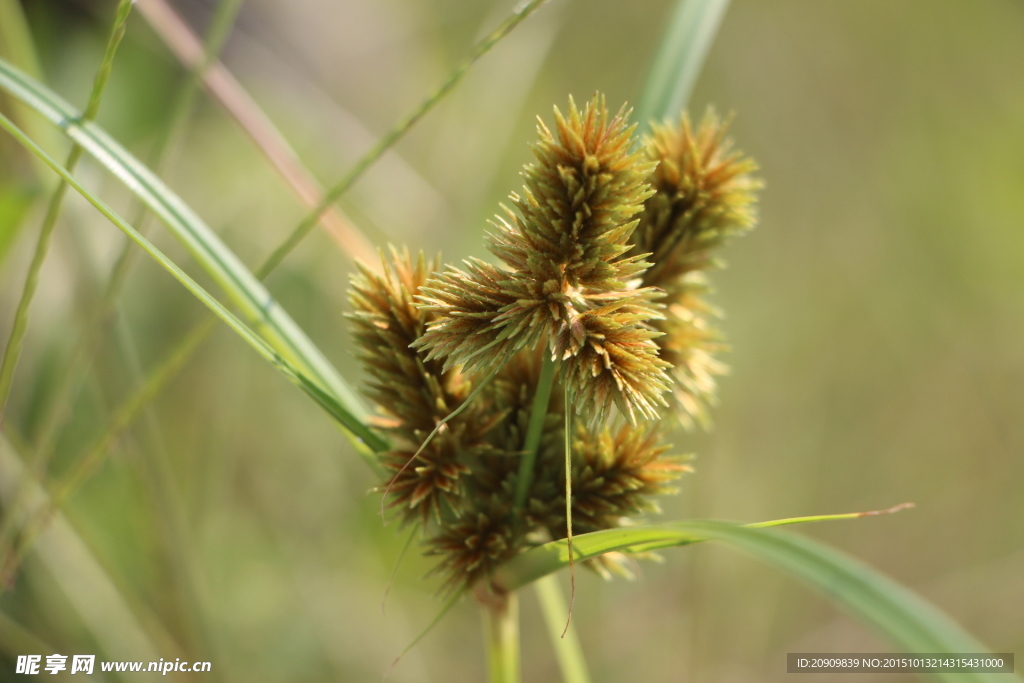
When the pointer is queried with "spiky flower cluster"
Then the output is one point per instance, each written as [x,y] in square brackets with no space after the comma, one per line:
[567,283]
[618,308]
[414,393]
[704,194]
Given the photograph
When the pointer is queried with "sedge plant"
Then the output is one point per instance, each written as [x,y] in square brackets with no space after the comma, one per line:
[565,361]
[523,405]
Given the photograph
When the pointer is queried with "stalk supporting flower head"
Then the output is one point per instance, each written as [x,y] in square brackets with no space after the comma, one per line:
[567,282]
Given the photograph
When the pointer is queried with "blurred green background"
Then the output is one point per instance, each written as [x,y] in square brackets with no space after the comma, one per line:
[876,317]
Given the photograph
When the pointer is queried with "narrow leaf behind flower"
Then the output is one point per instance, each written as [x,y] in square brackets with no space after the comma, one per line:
[680,59]
[534,431]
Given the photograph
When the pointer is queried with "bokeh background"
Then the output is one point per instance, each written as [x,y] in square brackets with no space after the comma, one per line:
[876,317]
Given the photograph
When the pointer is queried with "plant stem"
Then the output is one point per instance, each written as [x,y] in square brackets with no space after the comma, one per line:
[251,119]
[567,648]
[386,142]
[534,431]
[16,339]
[501,631]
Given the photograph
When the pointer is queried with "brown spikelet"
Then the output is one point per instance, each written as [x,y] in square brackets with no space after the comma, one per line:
[464,306]
[414,392]
[614,362]
[417,488]
[474,545]
[616,474]
[705,193]
[385,321]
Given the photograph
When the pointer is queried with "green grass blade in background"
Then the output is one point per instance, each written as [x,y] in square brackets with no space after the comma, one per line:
[15,203]
[679,60]
[327,401]
[102,320]
[906,619]
[109,615]
[16,45]
[241,286]
[12,351]
[520,14]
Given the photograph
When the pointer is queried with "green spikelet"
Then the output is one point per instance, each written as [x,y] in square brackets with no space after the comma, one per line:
[704,194]
[567,282]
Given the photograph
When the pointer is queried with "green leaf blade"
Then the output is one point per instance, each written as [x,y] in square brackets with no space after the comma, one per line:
[907,620]
[255,302]
[679,59]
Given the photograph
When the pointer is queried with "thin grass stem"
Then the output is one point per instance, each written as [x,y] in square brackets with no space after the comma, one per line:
[247,114]
[568,651]
[534,430]
[177,549]
[16,339]
[328,402]
[70,381]
[394,570]
[389,140]
[17,336]
[287,341]
[568,507]
[87,464]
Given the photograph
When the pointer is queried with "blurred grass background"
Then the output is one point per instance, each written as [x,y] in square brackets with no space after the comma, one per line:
[876,317]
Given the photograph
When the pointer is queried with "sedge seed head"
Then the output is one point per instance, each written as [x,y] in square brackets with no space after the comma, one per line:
[603,257]
[566,281]
[705,193]
[412,392]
